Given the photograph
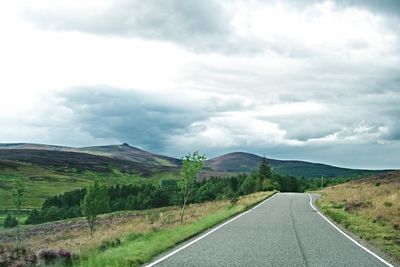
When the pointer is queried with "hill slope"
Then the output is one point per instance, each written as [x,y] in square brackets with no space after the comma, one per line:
[246,162]
[122,152]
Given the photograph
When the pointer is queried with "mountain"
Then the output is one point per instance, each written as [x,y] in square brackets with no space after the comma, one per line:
[103,159]
[246,162]
[50,170]
[134,160]
[122,152]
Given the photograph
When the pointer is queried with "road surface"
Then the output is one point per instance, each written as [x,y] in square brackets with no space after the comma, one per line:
[283,231]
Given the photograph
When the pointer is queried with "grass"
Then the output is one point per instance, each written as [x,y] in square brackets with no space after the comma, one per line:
[140,248]
[369,209]
[143,234]
[44,182]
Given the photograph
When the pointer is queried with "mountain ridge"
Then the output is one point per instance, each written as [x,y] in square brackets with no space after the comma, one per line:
[123,154]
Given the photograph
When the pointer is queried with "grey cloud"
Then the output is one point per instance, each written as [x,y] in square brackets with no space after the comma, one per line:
[391,7]
[149,121]
[198,25]
[142,119]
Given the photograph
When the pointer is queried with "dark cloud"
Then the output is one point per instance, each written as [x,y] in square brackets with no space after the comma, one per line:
[131,116]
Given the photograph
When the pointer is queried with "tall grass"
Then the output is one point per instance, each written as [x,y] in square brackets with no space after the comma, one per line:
[369,209]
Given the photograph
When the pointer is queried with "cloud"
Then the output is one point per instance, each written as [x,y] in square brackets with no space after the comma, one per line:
[390,7]
[197,25]
[312,80]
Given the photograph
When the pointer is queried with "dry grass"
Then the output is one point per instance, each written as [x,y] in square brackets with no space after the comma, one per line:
[74,235]
[375,200]
[369,208]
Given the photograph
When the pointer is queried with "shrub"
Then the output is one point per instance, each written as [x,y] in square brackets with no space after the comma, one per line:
[387,204]
[52,256]
[10,221]
[106,244]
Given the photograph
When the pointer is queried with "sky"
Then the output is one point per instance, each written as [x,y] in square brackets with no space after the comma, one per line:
[293,79]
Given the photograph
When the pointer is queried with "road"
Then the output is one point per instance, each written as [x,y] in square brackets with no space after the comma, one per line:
[283,231]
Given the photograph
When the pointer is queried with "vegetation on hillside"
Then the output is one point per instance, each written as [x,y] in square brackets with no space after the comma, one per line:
[369,208]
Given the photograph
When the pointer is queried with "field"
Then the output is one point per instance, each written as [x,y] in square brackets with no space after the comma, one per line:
[369,208]
[43,182]
[143,234]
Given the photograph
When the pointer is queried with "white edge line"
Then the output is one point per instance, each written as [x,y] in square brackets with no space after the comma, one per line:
[208,233]
[346,235]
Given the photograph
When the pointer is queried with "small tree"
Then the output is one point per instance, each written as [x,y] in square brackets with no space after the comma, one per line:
[249,184]
[191,166]
[95,202]
[264,169]
[18,199]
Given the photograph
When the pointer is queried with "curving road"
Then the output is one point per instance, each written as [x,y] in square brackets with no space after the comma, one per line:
[283,231]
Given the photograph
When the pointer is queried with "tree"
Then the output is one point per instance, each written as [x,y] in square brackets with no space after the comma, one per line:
[191,166]
[264,169]
[249,184]
[95,202]
[18,199]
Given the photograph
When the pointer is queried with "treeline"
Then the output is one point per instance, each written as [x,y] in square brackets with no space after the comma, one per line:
[139,197]
[168,192]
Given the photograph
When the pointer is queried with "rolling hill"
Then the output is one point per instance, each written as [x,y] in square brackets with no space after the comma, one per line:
[122,152]
[246,162]
[49,170]
[134,160]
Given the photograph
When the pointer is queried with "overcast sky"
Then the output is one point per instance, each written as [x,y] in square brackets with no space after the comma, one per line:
[308,80]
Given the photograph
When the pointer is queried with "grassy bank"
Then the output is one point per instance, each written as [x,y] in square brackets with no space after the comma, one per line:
[140,235]
[140,247]
[369,208]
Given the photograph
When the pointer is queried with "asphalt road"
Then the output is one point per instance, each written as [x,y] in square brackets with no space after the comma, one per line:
[283,231]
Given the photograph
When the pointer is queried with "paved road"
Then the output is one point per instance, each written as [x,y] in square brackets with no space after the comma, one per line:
[284,231]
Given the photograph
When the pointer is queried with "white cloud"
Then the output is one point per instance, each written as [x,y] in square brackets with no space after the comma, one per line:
[230,131]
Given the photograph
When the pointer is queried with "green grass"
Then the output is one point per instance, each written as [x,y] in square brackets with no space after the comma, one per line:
[45,182]
[379,233]
[137,249]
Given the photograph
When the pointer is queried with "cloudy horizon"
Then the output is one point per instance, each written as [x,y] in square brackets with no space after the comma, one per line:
[293,79]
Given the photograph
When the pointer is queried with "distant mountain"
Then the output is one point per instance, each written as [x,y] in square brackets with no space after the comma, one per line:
[99,158]
[123,152]
[132,159]
[127,152]
[246,162]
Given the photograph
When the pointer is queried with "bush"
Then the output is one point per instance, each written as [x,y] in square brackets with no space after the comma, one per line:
[10,221]
[106,244]
[387,204]
[52,256]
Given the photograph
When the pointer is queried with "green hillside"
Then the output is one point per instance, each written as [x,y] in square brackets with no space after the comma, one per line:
[42,182]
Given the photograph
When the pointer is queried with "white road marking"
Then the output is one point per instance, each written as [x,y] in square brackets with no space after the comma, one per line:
[206,234]
[346,235]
